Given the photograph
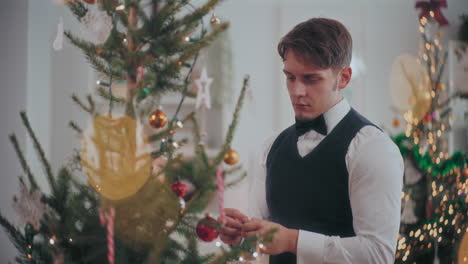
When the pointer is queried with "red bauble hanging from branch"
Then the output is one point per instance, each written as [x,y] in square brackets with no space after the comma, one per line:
[179,188]
[207,229]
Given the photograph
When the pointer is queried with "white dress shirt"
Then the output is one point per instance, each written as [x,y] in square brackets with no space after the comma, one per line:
[375,169]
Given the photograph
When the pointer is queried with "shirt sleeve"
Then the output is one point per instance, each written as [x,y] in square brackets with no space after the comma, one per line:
[375,169]
[257,191]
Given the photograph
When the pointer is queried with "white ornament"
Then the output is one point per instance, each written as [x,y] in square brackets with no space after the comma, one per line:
[96,26]
[412,175]
[58,42]
[203,94]
[169,223]
[29,207]
[79,225]
[408,216]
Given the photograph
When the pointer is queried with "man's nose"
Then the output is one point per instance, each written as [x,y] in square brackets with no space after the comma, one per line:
[299,89]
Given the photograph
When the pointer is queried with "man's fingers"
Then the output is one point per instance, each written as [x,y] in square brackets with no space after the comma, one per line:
[229,239]
[248,234]
[230,231]
[236,214]
[233,223]
[254,225]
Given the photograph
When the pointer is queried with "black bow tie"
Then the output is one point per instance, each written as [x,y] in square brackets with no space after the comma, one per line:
[317,124]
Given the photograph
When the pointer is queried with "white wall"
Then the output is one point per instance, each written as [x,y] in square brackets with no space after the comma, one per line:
[13,67]
[42,81]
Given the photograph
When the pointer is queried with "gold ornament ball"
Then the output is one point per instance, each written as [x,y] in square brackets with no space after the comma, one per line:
[231,157]
[215,20]
[465,171]
[396,123]
[158,119]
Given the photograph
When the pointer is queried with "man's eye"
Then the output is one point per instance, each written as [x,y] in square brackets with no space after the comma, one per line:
[311,80]
[290,78]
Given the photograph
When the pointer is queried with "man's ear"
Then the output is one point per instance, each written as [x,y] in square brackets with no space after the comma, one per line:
[344,77]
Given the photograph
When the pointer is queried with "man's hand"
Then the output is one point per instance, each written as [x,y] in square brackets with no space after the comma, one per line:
[284,240]
[231,231]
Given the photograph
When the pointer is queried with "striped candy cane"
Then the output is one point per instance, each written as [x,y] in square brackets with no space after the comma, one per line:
[108,218]
[220,183]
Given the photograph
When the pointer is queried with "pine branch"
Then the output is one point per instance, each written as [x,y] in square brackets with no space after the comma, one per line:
[191,50]
[106,95]
[100,64]
[232,126]
[232,170]
[77,8]
[89,109]
[196,47]
[14,234]
[236,181]
[166,132]
[196,15]
[63,190]
[24,163]
[40,151]
[75,127]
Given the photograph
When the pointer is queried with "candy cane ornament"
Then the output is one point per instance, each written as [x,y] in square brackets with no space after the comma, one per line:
[108,220]
[220,183]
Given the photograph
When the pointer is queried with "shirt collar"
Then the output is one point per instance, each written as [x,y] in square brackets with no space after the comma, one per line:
[335,114]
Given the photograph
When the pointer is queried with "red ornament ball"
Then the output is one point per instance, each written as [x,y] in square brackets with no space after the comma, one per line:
[179,188]
[207,229]
[91,2]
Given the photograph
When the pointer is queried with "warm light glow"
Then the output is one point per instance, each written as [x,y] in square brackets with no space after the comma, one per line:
[120,7]
[424,20]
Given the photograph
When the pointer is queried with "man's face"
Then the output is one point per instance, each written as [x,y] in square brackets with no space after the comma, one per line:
[313,90]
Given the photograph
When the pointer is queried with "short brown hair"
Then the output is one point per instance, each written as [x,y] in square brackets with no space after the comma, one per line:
[325,42]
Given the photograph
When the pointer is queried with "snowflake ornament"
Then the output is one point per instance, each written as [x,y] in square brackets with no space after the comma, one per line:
[29,207]
[96,26]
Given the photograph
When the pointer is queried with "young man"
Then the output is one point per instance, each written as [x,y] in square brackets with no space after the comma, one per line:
[331,183]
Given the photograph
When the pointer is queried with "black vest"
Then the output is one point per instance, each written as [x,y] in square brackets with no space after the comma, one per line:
[311,192]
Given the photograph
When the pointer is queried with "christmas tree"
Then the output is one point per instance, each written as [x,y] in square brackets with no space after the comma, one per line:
[143,202]
[434,200]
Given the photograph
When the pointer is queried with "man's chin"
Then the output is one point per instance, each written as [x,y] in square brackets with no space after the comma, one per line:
[304,116]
